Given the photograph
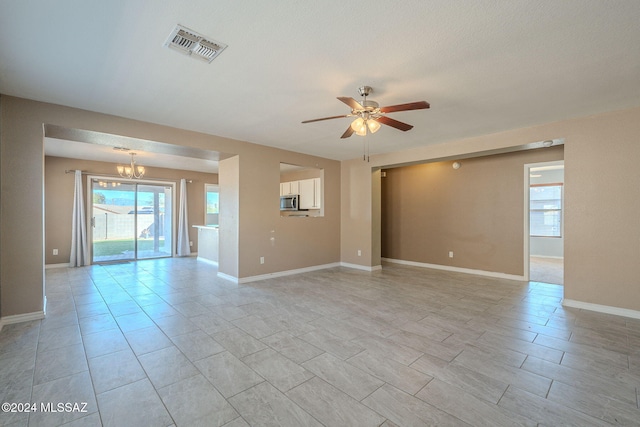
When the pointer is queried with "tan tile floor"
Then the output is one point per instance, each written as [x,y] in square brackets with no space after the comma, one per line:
[165,342]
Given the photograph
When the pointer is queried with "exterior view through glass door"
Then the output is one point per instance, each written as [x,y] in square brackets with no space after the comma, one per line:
[130,221]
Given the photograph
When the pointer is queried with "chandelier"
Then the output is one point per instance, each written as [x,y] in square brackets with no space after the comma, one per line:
[132,170]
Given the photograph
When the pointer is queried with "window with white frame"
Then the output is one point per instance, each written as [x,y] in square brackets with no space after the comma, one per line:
[211,204]
[545,210]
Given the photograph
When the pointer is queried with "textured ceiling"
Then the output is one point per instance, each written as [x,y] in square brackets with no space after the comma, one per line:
[484,65]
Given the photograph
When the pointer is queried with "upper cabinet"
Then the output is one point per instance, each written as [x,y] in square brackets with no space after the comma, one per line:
[310,193]
[288,188]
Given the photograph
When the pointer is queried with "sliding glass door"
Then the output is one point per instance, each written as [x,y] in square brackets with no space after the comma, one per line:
[130,220]
[153,223]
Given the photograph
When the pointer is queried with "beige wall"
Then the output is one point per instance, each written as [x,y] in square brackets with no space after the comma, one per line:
[602,199]
[356,232]
[229,217]
[601,211]
[2,154]
[22,206]
[22,202]
[476,211]
[59,198]
[286,243]
[300,175]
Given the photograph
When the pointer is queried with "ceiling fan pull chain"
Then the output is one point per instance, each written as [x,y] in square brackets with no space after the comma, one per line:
[367,149]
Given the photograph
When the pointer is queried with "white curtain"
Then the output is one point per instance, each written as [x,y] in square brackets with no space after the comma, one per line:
[79,244]
[183,222]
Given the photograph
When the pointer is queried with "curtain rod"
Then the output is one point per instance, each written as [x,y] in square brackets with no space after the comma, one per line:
[189,181]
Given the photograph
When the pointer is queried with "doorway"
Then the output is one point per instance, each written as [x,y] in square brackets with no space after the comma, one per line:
[545,222]
[130,220]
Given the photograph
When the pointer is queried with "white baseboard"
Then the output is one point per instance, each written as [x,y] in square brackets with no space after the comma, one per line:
[361,267]
[625,312]
[367,268]
[458,269]
[287,272]
[294,271]
[228,277]
[19,318]
[61,265]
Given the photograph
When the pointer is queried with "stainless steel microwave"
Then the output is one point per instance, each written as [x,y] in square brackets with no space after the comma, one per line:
[289,202]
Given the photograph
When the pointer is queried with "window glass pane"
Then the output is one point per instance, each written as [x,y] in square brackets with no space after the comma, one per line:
[212,204]
[545,211]
[113,220]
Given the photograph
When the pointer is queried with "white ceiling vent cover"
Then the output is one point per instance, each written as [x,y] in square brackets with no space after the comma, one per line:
[191,43]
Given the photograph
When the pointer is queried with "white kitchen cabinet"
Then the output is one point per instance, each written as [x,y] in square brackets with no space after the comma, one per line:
[310,193]
[288,188]
[317,195]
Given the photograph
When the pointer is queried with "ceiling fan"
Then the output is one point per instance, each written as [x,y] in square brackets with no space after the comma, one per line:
[370,115]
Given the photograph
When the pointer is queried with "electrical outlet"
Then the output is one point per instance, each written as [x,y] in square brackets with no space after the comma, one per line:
[55,252]
[359,252]
[450,254]
[261,260]
[190,243]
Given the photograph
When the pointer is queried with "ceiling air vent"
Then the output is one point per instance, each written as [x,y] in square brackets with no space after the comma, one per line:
[191,43]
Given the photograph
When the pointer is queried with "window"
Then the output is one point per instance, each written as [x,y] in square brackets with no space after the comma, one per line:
[212,204]
[545,210]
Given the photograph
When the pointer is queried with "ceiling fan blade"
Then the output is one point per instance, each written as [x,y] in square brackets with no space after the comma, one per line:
[355,105]
[328,118]
[394,123]
[347,133]
[420,105]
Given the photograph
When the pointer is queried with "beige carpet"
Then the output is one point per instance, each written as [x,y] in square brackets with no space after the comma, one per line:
[546,270]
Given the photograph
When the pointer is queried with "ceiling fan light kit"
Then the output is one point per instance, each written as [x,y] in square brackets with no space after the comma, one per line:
[369,115]
[361,125]
[373,126]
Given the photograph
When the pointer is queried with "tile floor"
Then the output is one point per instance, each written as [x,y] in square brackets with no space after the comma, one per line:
[165,342]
